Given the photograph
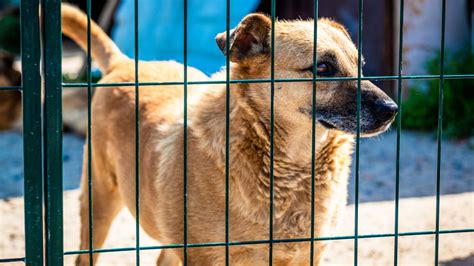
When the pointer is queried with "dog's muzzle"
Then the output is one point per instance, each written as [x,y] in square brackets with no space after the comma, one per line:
[385,110]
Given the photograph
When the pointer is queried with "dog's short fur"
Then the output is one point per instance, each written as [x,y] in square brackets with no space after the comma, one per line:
[162,143]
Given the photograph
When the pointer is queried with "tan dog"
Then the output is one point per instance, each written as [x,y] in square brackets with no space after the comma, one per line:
[162,143]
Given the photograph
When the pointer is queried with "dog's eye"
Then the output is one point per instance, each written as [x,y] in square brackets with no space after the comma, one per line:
[323,69]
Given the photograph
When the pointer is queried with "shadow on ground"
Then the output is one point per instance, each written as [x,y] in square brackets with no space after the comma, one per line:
[418,163]
[467,261]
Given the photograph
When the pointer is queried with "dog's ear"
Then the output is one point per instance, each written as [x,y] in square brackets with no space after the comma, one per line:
[249,39]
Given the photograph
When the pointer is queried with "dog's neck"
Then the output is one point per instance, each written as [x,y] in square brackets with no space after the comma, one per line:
[250,148]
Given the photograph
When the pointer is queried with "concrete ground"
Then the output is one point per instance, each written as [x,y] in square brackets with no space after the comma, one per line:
[377,190]
[416,214]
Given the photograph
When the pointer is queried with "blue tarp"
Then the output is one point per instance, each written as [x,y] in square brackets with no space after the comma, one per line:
[160,28]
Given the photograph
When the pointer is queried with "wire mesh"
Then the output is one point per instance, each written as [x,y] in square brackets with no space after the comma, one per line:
[51,171]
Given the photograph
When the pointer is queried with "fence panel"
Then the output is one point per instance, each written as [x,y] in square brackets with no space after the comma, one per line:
[43,138]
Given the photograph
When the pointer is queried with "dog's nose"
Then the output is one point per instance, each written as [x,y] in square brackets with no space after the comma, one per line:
[385,110]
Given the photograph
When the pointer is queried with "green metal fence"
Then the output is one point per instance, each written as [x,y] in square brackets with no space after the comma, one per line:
[43,138]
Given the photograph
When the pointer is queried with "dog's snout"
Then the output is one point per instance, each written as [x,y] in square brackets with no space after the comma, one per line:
[385,110]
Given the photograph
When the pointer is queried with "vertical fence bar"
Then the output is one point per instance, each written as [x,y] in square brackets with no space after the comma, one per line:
[137,140]
[399,131]
[53,183]
[89,133]
[313,126]
[32,137]
[357,170]
[440,128]
[272,129]
[185,133]
[227,132]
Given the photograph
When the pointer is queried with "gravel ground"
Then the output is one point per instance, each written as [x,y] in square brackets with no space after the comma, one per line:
[377,166]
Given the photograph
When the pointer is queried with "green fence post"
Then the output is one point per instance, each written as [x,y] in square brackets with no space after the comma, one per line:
[440,128]
[31,82]
[53,183]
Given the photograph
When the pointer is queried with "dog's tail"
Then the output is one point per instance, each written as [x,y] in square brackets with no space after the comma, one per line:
[103,49]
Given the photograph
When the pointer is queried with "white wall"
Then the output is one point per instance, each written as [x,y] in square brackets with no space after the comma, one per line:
[422,31]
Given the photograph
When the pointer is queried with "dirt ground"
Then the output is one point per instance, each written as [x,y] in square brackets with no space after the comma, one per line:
[416,214]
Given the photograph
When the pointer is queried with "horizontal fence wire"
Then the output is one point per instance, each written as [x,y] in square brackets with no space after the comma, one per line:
[256,242]
[10,88]
[12,260]
[277,80]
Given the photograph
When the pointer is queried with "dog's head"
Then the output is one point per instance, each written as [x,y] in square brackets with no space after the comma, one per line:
[337,56]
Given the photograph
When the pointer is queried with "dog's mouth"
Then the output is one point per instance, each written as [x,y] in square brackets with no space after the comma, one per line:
[327,125]
[381,129]
[349,126]
[364,131]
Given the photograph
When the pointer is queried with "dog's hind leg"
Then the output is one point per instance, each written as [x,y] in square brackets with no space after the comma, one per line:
[106,203]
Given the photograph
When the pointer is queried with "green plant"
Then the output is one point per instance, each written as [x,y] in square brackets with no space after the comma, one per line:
[420,109]
[10,31]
